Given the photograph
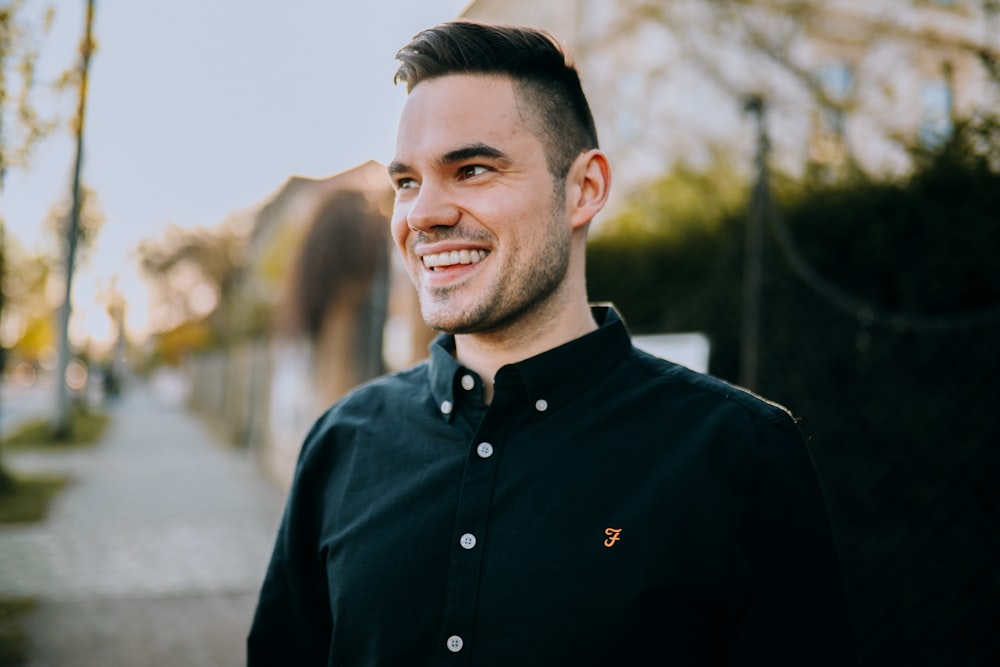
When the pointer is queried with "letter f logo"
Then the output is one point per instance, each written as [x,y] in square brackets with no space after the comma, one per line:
[614,534]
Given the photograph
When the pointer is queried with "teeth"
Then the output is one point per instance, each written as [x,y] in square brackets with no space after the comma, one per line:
[454,257]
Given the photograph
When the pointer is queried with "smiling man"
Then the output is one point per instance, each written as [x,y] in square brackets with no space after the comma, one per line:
[473,180]
[539,491]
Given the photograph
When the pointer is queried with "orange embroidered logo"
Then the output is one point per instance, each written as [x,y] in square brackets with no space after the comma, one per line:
[614,534]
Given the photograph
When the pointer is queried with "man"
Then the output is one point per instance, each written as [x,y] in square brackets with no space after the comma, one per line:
[539,492]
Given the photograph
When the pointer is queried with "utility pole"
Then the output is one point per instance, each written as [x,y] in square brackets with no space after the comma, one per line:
[61,424]
[6,22]
[5,480]
[753,267]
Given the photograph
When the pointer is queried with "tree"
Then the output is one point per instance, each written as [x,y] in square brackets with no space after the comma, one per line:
[61,420]
[189,271]
[21,126]
[91,220]
[27,328]
[841,80]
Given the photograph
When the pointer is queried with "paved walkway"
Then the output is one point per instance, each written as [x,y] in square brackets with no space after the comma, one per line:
[153,555]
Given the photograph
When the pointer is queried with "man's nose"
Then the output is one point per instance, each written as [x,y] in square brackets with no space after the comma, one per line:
[432,207]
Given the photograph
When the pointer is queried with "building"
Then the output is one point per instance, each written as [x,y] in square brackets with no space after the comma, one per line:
[269,386]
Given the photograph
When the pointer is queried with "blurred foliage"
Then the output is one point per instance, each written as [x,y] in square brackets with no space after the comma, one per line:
[171,346]
[28,326]
[736,49]
[22,127]
[92,218]
[22,23]
[191,271]
[881,316]
[286,241]
[927,245]
[681,204]
[38,339]
[672,260]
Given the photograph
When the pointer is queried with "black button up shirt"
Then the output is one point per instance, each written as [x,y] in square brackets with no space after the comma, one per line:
[607,508]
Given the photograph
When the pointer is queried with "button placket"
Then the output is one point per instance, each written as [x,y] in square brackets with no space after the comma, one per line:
[471,536]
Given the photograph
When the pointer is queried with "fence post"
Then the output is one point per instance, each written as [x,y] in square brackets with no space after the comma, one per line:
[753,267]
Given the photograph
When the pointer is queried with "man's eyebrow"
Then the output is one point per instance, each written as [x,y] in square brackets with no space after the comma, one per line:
[396,167]
[471,152]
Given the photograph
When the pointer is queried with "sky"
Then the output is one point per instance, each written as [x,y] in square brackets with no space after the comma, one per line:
[199,108]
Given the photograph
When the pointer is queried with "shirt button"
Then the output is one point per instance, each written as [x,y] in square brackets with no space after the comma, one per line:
[541,405]
[485,450]
[468,541]
[455,643]
[468,382]
[446,407]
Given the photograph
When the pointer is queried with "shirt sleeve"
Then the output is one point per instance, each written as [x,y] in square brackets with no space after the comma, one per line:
[796,613]
[292,624]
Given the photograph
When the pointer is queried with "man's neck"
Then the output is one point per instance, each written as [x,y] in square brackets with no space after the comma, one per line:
[486,352]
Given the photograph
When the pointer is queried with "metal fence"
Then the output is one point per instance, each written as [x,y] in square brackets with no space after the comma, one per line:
[902,419]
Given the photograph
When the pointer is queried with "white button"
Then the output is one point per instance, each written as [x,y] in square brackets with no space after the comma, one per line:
[541,405]
[455,643]
[446,407]
[468,541]
[485,450]
[468,382]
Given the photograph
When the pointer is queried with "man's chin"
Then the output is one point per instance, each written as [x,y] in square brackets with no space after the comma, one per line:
[451,322]
[447,325]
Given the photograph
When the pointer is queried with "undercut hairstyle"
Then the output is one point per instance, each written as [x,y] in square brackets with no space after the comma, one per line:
[543,73]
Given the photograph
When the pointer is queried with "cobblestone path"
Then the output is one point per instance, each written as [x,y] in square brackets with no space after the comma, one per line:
[155,552]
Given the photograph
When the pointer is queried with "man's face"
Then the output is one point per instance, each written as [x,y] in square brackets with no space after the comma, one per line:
[477,218]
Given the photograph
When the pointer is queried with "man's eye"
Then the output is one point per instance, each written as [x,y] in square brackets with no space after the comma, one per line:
[472,170]
[405,184]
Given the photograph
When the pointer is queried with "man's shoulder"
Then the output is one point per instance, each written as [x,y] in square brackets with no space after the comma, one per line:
[706,390]
[369,405]
[396,388]
[703,413]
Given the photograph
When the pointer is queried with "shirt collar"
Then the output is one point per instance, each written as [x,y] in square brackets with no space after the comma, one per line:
[551,379]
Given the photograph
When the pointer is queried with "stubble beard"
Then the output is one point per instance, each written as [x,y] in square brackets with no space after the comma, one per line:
[508,298]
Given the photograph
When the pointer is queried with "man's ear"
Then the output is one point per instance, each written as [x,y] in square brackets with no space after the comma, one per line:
[587,185]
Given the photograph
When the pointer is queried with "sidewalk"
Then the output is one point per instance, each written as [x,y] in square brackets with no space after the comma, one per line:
[153,555]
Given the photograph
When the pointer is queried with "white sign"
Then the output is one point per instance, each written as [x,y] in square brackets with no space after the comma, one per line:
[687,349]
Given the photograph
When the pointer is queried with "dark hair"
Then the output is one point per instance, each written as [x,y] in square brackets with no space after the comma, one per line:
[543,75]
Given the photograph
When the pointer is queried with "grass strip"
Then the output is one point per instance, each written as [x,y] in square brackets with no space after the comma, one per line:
[26,499]
[13,638]
[86,428]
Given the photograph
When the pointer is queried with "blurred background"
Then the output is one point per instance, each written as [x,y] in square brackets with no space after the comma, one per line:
[811,189]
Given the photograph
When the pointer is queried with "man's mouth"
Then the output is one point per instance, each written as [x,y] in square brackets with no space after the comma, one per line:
[443,260]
